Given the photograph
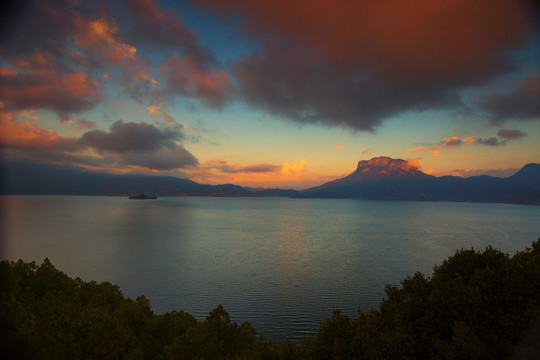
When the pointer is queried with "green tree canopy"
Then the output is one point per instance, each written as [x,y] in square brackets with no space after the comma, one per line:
[475,305]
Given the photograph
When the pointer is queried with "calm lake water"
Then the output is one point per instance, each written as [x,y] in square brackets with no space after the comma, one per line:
[281,264]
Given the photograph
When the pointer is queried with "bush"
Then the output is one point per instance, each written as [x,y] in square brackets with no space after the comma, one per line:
[476,305]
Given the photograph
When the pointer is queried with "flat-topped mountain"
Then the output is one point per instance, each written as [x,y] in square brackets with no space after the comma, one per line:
[384,178]
[377,169]
[385,164]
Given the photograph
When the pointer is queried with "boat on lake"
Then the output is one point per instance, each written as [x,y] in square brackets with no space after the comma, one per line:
[142,197]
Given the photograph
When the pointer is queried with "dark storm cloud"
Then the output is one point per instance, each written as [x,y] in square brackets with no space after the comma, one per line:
[523,103]
[503,137]
[295,86]
[511,134]
[35,26]
[490,141]
[357,63]
[126,137]
[161,159]
[141,144]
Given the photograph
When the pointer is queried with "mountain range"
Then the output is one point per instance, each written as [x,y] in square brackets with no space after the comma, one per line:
[23,178]
[384,178]
[381,178]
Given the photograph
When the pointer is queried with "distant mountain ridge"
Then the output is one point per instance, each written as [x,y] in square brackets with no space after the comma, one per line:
[20,178]
[381,178]
[384,178]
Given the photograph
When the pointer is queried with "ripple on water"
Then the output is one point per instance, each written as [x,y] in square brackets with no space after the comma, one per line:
[281,264]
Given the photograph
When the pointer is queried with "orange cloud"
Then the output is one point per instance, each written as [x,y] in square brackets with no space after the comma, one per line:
[366,151]
[451,141]
[414,163]
[465,157]
[100,36]
[416,149]
[469,140]
[141,76]
[153,110]
[28,136]
[293,169]
[436,153]
[379,30]
[6,72]
[157,113]
[35,60]
[79,85]
[28,114]
[258,175]
[339,147]
[72,36]
[48,88]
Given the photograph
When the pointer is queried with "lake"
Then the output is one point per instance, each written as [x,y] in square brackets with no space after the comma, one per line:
[281,264]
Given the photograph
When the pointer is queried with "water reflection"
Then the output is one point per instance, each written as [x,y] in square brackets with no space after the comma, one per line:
[282,264]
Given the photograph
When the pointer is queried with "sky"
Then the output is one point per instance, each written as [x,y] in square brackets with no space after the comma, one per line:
[286,94]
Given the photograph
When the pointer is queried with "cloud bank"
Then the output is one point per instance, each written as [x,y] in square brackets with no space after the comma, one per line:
[141,144]
[356,63]
[125,144]
[522,103]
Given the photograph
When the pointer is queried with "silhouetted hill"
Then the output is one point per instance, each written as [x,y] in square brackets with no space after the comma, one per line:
[32,179]
[529,174]
[384,178]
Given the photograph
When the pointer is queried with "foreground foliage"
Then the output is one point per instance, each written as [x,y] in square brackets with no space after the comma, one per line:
[476,305]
